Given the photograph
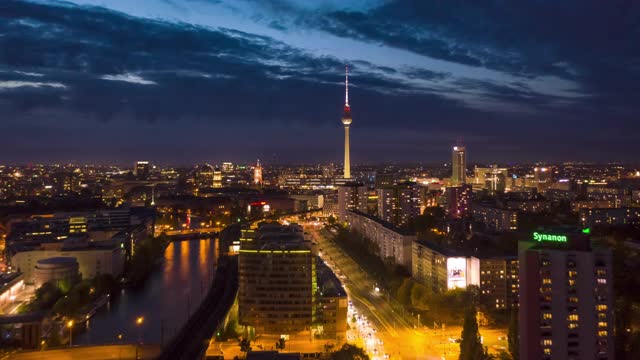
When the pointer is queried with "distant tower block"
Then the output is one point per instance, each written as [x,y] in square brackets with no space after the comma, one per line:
[257,174]
[346,121]
[459,165]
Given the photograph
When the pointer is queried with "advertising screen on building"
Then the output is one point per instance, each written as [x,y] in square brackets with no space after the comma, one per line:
[456,272]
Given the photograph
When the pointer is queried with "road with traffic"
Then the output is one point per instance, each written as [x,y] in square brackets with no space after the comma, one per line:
[103,352]
[400,336]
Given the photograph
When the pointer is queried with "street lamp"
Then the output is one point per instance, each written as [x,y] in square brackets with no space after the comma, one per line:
[139,322]
[70,326]
[120,347]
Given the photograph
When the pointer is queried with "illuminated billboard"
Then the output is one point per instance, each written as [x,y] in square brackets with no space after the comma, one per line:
[462,271]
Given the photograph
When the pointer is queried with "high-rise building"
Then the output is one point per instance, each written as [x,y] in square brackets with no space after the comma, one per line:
[543,178]
[351,196]
[227,167]
[346,121]
[566,297]
[277,287]
[217,177]
[204,176]
[385,179]
[459,201]
[495,218]
[499,282]
[391,243]
[67,182]
[284,289]
[459,165]
[257,174]
[142,170]
[397,204]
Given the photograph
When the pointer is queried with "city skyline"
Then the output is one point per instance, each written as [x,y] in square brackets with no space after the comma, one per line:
[203,78]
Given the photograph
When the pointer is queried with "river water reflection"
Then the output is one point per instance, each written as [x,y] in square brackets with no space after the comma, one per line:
[174,289]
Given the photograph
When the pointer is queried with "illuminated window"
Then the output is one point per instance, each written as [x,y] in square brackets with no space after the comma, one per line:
[547,342]
[601,307]
[602,281]
[602,324]
[572,282]
[546,281]
[572,317]
[573,299]
[602,333]
[547,351]
[572,325]
[547,316]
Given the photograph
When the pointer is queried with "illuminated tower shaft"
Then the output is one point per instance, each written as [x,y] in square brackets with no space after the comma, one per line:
[346,121]
[347,160]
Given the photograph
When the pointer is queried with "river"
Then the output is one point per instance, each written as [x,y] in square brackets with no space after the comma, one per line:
[170,294]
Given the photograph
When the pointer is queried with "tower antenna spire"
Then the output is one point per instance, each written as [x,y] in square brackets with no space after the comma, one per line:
[346,85]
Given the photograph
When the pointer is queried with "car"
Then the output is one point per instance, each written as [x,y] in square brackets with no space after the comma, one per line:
[454,340]
[386,356]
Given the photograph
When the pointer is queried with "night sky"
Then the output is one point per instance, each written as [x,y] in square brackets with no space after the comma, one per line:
[186,81]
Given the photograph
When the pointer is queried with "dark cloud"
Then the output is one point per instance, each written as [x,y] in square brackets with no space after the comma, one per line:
[103,68]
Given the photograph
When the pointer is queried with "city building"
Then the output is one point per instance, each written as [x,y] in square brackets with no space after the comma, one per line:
[566,296]
[578,205]
[385,179]
[61,271]
[142,170]
[332,304]
[277,280]
[227,167]
[609,216]
[351,196]
[459,165]
[92,259]
[67,182]
[499,284]
[616,197]
[441,269]
[58,226]
[11,285]
[284,288]
[346,121]
[491,178]
[204,176]
[495,218]
[217,177]
[459,201]
[393,244]
[543,178]
[397,204]
[429,266]
[257,174]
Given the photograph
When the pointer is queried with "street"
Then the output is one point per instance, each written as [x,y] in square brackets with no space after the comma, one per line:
[399,337]
[126,351]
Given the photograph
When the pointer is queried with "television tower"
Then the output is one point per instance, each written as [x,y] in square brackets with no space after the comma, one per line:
[346,121]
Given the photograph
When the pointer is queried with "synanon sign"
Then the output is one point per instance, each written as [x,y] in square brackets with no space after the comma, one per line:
[549,237]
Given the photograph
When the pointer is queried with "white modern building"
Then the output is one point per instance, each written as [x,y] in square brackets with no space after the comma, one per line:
[393,244]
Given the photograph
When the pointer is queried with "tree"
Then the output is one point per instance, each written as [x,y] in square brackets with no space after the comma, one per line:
[513,336]
[470,346]
[420,297]
[245,345]
[349,352]
[404,292]
[280,344]
[331,220]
